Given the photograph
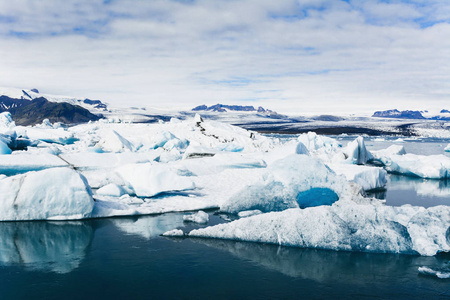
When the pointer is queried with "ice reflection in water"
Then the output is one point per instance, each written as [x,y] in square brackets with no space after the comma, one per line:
[149,226]
[415,191]
[326,266]
[44,246]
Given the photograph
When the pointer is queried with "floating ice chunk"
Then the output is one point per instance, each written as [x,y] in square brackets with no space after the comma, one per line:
[249,213]
[21,162]
[4,149]
[432,166]
[114,142]
[284,180]
[174,233]
[111,190]
[392,150]
[199,217]
[53,194]
[314,142]
[447,149]
[301,149]
[439,273]
[369,178]
[356,152]
[58,135]
[345,226]
[148,180]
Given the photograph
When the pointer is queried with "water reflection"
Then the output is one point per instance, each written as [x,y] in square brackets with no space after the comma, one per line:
[415,191]
[325,266]
[45,246]
[149,226]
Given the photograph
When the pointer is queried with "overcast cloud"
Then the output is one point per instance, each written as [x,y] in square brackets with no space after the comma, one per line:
[292,56]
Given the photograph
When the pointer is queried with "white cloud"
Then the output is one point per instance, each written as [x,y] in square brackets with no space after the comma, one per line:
[287,54]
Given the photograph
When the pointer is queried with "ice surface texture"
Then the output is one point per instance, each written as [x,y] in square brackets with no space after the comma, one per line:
[53,194]
[281,186]
[344,226]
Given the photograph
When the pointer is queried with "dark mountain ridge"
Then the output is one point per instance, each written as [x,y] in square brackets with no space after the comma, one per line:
[29,112]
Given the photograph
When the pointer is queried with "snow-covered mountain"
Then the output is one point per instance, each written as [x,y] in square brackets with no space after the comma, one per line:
[28,107]
[444,114]
[226,108]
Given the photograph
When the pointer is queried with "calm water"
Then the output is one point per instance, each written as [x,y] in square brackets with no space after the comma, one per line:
[125,258]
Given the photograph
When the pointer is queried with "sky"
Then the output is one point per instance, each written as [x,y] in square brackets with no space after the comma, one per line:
[292,56]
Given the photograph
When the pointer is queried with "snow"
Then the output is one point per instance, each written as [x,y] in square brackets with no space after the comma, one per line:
[40,196]
[344,226]
[199,217]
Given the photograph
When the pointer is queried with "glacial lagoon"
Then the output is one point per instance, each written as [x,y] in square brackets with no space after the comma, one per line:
[126,258]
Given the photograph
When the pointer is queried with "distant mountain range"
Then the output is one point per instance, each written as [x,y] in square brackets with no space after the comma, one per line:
[412,114]
[225,108]
[30,112]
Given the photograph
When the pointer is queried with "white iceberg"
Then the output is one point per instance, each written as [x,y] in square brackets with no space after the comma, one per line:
[199,217]
[111,189]
[369,178]
[21,162]
[114,142]
[318,143]
[447,149]
[431,167]
[356,152]
[53,194]
[297,180]
[344,226]
[148,179]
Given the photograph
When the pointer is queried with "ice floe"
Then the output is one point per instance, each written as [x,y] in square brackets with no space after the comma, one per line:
[344,226]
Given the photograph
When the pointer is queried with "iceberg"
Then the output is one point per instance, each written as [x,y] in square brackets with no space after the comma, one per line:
[114,142]
[318,143]
[344,226]
[199,217]
[286,184]
[356,152]
[430,167]
[21,162]
[368,177]
[148,179]
[447,149]
[111,190]
[40,196]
